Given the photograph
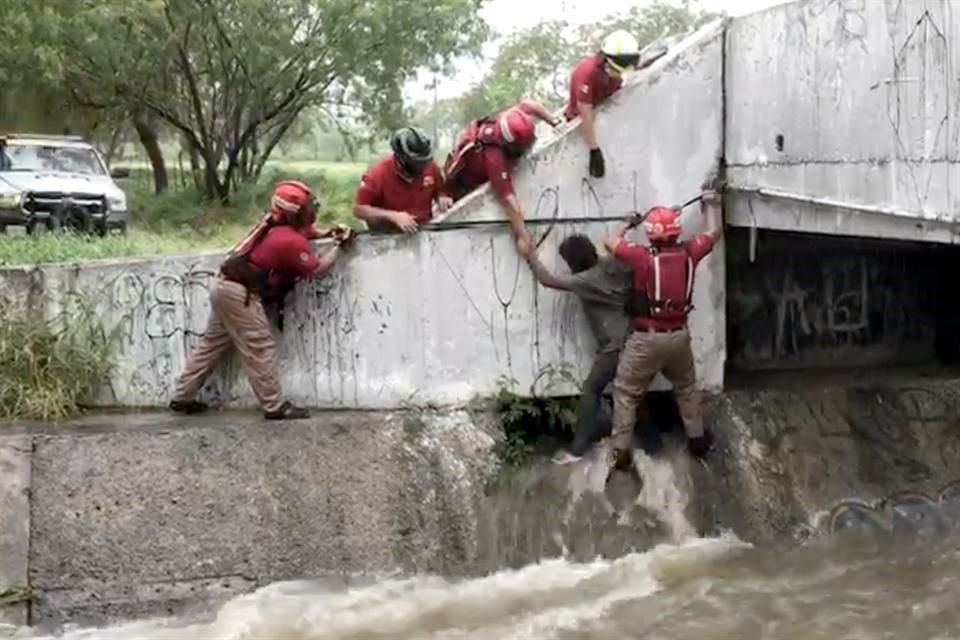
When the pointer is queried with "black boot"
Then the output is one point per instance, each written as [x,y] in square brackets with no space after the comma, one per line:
[287,412]
[188,407]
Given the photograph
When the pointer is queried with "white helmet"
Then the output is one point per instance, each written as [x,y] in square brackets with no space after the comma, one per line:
[621,50]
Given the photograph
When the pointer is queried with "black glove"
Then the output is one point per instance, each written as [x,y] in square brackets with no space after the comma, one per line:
[596,163]
[699,447]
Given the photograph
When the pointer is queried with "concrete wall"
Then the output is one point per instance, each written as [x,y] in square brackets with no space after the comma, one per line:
[441,316]
[864,96]
[791,456]
[149,515]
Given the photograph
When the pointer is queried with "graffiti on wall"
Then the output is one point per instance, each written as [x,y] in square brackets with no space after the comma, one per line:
[906,512]
[810,310]
[918,96]
[158,316]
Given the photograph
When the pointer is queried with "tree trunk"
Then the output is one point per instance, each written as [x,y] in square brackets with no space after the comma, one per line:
[194,155]
[147,133]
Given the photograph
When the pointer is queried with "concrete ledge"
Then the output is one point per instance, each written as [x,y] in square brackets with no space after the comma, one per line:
[171,515]
[15,459]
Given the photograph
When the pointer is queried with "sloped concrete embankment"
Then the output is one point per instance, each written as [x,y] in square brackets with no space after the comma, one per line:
[132,516]
[798,462]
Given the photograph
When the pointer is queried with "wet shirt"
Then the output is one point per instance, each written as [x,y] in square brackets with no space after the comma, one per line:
[639,258]
[383,187]
[603,291]
[287,253]
[589,83]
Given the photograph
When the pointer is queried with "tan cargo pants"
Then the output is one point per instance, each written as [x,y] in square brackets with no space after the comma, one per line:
[643,356]
[246,327]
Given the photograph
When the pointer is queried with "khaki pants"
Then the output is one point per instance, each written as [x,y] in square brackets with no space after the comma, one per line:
[643,356]
[246,327]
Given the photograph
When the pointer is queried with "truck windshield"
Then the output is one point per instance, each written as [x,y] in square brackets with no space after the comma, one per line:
[33,157]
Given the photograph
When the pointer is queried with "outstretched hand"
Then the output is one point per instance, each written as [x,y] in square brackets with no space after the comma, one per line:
[343,235]
[711,189]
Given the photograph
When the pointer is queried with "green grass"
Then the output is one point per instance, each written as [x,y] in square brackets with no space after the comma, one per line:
[179,221]
[48,369]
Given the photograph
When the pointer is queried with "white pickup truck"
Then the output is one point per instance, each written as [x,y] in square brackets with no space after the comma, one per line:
[56,182]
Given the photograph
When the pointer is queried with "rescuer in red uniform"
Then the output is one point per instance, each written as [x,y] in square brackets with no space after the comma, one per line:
[594,79]
[488,150]
[260,271]
[659,303]
[399,191]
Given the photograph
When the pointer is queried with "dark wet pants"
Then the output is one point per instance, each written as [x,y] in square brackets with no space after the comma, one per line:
[591,424]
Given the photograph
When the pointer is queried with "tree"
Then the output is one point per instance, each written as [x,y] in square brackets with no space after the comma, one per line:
[537,62]
[232,76]
[650,22]
[531,63]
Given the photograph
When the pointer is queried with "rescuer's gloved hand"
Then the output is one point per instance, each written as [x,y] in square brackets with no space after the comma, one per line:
[699,447]
[597,168]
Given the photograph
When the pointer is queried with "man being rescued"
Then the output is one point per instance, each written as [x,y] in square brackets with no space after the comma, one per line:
[487,152]
[660,300]
[601,283]
[260,271]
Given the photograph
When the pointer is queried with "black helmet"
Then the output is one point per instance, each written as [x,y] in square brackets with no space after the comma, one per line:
[412,148]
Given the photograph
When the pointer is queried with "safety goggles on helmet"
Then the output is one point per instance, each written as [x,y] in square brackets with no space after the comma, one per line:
[621,50]
[620,64]
[292,197]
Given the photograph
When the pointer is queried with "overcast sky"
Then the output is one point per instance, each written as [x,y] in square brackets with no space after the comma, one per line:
[508,15]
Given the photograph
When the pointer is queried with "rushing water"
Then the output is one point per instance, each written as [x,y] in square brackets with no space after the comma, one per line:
[849,586]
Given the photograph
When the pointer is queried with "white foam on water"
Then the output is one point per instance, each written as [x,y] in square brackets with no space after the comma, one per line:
[537,601]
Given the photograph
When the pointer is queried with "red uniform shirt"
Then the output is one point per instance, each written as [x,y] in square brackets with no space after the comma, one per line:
[639,258]
[490,164]
[287,253]
[589,83]
[383,187]
[486,164]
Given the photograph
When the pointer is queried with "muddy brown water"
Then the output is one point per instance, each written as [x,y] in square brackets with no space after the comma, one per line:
[610,571]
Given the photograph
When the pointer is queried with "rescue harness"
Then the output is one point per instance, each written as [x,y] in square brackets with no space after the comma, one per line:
[668,291]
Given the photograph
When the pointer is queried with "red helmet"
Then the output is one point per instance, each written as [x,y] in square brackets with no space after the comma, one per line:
[517,127]
[662,224]
[289,198]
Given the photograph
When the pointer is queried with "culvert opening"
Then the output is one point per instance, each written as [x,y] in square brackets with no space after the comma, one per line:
[806,302]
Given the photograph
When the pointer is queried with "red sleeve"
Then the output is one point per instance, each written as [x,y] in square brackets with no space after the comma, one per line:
[294,255]
[436,189]
[583,84]
[637,256]
[498,173]
[370,191]
[699,246]
[527,107]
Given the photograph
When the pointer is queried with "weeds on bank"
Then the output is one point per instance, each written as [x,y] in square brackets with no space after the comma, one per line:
[14,595]
[530,422]
[48,369]
[180,221]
